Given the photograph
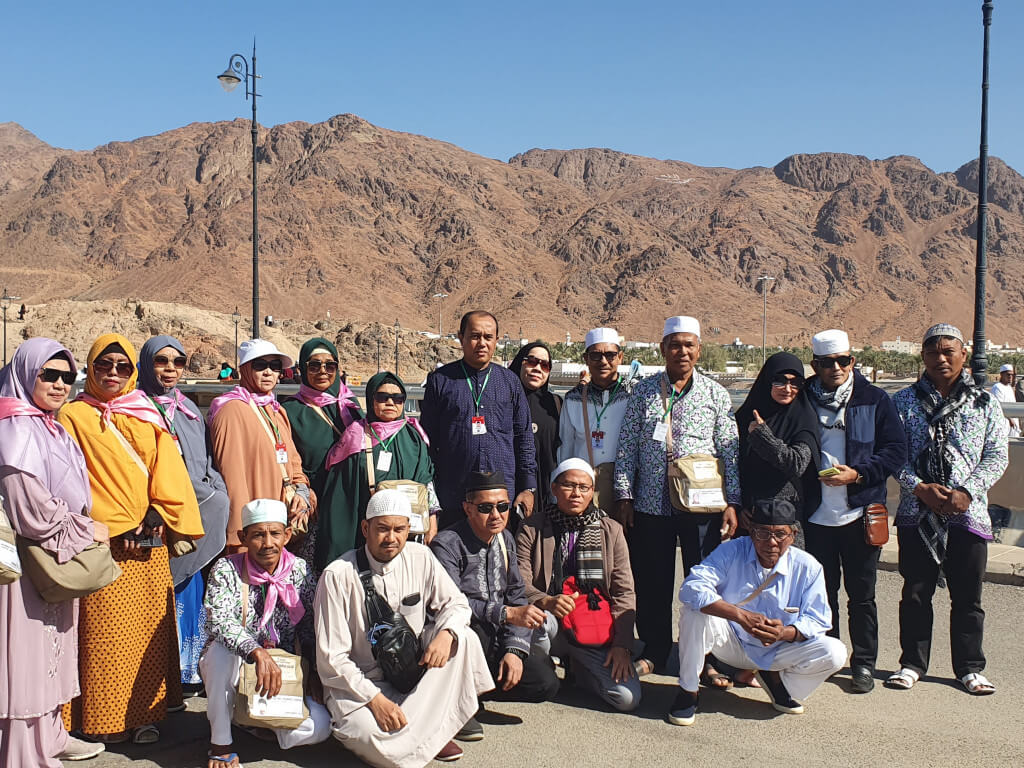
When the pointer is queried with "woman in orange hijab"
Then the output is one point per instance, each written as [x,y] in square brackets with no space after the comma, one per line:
[128,655]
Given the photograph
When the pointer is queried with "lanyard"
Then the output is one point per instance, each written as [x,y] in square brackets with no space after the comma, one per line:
[273,425]
[480,394]
[385,446]
[600,413]
[166,418]
[668,403]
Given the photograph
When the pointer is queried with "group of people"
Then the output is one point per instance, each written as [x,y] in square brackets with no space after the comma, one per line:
[504,530]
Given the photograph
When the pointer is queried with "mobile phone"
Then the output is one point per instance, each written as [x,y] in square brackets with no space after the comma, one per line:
[830,472]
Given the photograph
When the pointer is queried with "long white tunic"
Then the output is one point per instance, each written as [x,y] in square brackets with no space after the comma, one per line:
[443,700]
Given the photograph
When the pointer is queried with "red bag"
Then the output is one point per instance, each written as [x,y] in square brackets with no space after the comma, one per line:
[590,622]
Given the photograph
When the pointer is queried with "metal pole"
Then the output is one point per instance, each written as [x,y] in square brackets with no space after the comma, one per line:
[5,334]
[378,349]
[255,210]
[237,318]
[397,326]
[764,322]
[979,358]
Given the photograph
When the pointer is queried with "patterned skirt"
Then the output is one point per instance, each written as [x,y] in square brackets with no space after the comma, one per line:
[191,615]
[127,648]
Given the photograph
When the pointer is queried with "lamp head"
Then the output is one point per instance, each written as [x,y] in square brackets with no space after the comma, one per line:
[229,79]
[5,300]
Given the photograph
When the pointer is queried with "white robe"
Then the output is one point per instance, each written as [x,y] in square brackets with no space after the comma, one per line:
[444,699]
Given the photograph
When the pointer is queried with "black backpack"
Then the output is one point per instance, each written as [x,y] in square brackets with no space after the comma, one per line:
[395,646]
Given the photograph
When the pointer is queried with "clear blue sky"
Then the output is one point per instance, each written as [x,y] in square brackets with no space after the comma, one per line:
[717,82]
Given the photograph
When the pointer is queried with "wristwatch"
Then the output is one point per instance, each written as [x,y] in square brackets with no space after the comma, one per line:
[523,655]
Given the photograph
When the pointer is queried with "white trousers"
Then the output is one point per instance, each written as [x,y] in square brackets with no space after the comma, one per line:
[802,666]
[219,668]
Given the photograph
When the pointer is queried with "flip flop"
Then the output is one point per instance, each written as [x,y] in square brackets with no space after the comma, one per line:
[226,759]
[714,679]
[977,684]
[903,680]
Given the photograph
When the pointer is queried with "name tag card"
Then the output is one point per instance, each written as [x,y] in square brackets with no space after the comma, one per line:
[384,461]
[478,425]
[660,431]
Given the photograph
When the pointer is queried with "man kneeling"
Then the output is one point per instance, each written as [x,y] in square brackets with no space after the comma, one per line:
[758,603]
[258,599]
[371,717]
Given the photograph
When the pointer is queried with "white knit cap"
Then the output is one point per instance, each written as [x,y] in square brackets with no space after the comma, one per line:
[1006,368]
[601,336]
[831,342]
[264,511]
[254,348]
[573,463]
[389,501]
[681,324]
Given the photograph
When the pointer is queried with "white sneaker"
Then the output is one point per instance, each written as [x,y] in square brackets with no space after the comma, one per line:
[77,749]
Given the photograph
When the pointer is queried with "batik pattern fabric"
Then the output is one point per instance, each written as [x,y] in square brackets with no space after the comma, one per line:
[191,621]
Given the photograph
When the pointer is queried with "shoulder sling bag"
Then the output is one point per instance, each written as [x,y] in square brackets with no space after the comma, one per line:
[694,480]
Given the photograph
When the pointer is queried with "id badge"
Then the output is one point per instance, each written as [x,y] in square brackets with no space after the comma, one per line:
[384,461]
[479,428]
[597,438]
[660,431]
[282,454]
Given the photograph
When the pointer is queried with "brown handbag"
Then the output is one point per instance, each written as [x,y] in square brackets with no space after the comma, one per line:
[876,525]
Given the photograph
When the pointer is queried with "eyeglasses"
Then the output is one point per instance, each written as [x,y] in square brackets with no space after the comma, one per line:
[781,382]
[103,365]
[544,365]
[595,356]
[764,534]
[50,376]
[315,366]
[487,507]
[829,362]
[163,361]
[382,397]
[581,487]
[260,364]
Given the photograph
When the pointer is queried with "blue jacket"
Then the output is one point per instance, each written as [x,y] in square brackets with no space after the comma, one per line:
[876,445]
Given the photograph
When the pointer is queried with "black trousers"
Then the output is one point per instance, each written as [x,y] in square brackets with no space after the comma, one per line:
[538,683]
[843,553]
[966,557]
[652,554]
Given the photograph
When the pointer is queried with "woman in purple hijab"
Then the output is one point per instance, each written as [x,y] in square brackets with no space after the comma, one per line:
[46,496]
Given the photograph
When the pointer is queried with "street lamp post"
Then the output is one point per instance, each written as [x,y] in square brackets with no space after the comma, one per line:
[763,281]
[979,358]
[238,66]
[442,297]
[397,329]
[504,347]
[5,302]
[237,318]
[379,330]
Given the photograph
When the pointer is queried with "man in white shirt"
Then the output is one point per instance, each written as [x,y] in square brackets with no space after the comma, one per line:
[588,427]
[1002,391]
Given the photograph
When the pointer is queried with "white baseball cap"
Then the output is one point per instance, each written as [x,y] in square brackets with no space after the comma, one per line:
[254,348]
[1006,368]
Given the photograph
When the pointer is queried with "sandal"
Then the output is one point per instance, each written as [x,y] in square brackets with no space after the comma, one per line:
[747,677]
[230,760]
[903,680]
[145,734]
[109,738]
[712,678]
[977,684]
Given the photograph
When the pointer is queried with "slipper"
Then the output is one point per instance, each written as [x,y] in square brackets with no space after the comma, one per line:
[145,734]
[746,677]
[226,759]
[712,678]
[903,680]
[977,684]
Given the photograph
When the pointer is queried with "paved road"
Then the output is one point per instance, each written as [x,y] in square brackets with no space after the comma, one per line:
[935,724]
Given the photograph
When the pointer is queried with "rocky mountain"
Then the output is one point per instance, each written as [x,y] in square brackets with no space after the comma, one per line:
[369,224]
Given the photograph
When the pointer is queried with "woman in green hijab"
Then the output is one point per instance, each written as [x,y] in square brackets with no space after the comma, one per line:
[398,450]
[319,414]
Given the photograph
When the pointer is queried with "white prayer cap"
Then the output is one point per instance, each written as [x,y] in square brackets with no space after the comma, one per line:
[601,336]
[389,501]
[254,348]
[943,329]
[570,464]
[264,511]
[831,342]
[681,324]
[1006,368]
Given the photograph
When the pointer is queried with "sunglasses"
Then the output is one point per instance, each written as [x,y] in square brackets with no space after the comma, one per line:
[764,534]
[581,487]
[781,382]
[545,365]
[315,366]
[261,365]
[487,507]
[382,397]
[594,356]
[124,370]
[162,361]
[50,376]
[829,362]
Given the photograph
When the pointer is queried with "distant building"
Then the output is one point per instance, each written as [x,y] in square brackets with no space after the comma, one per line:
[904,347]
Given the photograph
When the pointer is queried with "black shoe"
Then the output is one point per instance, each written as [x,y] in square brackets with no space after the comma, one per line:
[684,708]
[862,680]
[781,700]
[471,731]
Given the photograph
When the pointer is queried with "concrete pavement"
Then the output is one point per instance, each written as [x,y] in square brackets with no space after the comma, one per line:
[935,724]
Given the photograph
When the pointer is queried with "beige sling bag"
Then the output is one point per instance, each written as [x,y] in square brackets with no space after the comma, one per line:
[695,480]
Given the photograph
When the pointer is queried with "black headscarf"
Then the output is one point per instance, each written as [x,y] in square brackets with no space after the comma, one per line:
[793,423]
[545,406]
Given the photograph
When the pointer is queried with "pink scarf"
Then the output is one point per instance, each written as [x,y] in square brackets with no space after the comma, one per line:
[351,440]
[133,403]
[278,587]
[175,401]
[243,394]
[311,396]
[15,406]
